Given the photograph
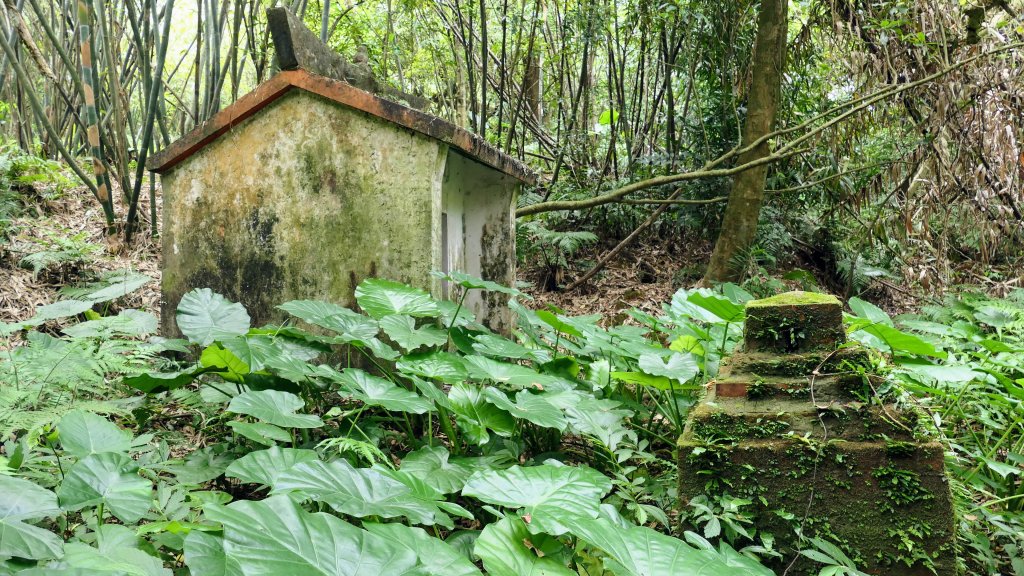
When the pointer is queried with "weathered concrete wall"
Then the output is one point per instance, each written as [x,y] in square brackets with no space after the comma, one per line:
[479,206]
[304,200]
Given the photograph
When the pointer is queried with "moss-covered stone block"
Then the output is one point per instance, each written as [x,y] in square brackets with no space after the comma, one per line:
[794,322]
[886,503]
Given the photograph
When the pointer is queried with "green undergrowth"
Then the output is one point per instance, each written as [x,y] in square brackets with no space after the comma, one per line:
[406,438]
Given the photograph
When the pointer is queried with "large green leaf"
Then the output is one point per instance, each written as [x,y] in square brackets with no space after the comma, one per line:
[82,433]
[224,363]
[438,365]
[544,492]
[507,548]
[725,309]
[21,502]
[118,553]
[529,406]
[275,537]
[264,466]
[204,555]
[108,478]
[500,347]
[261,432]
[204,316]
[513,375]
[895,341]
[476,416]
[679,366]
[403,330]
[359,492]
[274,407]
[380,298]
[435,466]
[377,391]
[349,325]
[436,557]
[640,551]
[601,418]
[869,311]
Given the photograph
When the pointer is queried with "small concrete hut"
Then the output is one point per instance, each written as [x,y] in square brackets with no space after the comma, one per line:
[308,185]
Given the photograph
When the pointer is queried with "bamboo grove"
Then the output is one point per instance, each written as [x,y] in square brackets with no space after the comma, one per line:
[630,103]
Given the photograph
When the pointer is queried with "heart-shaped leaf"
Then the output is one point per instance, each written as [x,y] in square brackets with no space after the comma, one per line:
[359,492]
[274,407]
[475,416]
[544,492]
[204,316]
[276,536]
[24,502]
[380,298]
[108,478]
[403,330]
[83,433]
[377,391]
[529,406]
[442,366]
[679,366]
[436,557]
[508,548]
[349,325]
[264,466]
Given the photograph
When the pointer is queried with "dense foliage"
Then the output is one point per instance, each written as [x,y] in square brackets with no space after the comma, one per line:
[413,440]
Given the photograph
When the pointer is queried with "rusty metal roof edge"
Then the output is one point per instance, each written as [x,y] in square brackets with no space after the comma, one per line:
[341,92]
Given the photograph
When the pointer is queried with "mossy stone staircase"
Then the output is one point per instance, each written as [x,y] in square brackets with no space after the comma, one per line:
[793,424]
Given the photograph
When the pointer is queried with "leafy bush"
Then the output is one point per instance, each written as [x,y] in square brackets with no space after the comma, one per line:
[321,445]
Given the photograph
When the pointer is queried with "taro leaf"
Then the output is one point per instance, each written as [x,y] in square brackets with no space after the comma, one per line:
[476,416]
[162,382]
[261,432]
[528,406]
[128,323]
[470,282]
[898,342]
[264,466]
[224,363]
[433,465]
[22,502]
[681,367]
[687,343]
[640,551]
[377,391]
[350,326]
[514,375]
[108,478]
[359,492]
[204,316]
[435,556]
[432,392]
[83,433]
[403,331]
[204,554]
[442,366]
[61,309]
[599,418]
[275,537]
[682,307]
[256,349]
[725,309]
[380,298]
[451,314]
[558,324]
[118,553]
[499,347]
[274,407]
[869,311]
[544,492]
[658,382]
[507,548]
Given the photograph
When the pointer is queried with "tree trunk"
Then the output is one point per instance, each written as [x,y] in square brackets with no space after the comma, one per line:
[739,225]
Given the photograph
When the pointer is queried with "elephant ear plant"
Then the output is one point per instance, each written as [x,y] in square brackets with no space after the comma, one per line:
[400,438]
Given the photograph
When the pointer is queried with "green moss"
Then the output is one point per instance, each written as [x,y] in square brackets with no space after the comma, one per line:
[796,298]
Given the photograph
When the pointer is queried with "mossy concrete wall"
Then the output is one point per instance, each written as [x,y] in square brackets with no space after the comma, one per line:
[306,199]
